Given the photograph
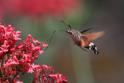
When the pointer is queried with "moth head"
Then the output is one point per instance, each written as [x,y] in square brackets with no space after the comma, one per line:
[69,31]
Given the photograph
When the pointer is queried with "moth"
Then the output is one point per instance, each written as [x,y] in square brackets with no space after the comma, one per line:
[83,39]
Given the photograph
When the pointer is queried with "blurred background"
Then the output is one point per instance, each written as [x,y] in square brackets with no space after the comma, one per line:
[42,17]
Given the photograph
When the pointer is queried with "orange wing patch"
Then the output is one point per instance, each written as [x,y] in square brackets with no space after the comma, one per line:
[84,43]
[93,36]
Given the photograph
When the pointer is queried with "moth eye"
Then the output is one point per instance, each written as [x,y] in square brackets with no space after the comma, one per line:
[71,33]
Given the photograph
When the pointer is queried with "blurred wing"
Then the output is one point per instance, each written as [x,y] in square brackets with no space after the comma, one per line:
[84,43]
[93,36]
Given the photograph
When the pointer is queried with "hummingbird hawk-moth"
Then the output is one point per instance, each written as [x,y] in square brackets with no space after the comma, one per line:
[83,39]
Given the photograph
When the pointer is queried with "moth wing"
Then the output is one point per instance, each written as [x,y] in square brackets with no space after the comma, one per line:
[84,43]
[93,36]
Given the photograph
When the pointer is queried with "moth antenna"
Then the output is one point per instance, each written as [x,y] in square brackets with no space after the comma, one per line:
[85,30]
[66,24]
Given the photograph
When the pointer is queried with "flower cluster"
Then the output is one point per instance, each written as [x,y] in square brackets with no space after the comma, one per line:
[17,57]
[45,74]
[37,7]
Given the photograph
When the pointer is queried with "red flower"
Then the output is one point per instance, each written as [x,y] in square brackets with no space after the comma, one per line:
[38,7]
[8,39]
[45,74]
[16,59]
[59,78]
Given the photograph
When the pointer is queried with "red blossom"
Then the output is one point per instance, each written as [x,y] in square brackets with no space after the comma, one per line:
[11,62]
[59,78]
[42,74]
[17,81]
[38,7]
[46,74]
[8,38]
[16,59]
